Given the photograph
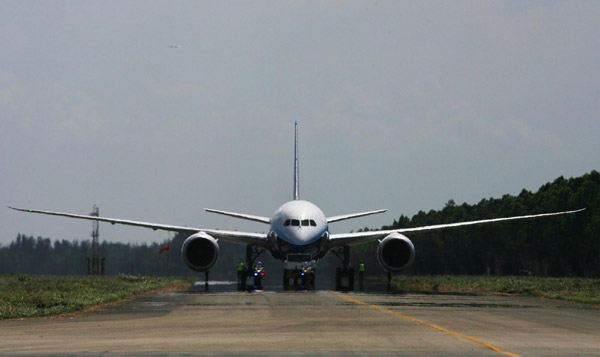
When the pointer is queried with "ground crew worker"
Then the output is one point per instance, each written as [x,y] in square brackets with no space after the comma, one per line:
[361,276]
[241,277]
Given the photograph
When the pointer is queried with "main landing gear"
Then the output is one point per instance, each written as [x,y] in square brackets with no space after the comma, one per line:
[344,275]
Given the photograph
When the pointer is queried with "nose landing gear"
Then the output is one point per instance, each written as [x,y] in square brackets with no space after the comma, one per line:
[344,275]
[299,272]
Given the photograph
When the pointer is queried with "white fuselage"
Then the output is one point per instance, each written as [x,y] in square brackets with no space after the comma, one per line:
[299,227]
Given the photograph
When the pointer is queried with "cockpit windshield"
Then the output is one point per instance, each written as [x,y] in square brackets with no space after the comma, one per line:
[300,223]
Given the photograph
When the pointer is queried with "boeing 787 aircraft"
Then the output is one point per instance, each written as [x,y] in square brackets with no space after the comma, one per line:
[299,235]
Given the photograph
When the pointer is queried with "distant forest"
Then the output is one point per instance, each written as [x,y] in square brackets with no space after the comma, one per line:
[555,246]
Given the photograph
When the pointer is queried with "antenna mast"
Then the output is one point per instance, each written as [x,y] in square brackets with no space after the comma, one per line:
[95,264]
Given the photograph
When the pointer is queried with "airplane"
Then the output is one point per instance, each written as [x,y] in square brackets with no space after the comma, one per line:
[298,232]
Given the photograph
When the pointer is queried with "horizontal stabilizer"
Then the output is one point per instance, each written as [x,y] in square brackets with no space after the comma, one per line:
[353,215]
[241,215]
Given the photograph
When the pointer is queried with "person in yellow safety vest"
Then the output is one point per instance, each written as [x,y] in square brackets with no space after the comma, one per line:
[361,276]
[241,276]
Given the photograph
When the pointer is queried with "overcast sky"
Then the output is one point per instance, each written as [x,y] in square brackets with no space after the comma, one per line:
[400,105]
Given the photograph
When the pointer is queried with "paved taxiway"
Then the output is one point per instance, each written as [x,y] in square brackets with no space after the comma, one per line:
[311,323]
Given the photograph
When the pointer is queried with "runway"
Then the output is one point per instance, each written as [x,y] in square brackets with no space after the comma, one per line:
[313,323]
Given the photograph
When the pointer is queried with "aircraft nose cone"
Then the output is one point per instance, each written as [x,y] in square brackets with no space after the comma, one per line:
[301,236]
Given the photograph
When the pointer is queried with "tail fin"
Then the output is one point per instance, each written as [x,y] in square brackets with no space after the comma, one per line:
[296,177]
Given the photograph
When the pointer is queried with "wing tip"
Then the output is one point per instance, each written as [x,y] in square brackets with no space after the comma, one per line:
[574,211]
[24,209]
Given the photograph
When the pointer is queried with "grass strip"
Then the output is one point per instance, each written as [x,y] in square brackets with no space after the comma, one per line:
[24,296]
[580,290]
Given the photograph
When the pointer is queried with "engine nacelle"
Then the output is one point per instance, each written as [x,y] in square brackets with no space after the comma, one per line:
[395,253]
[200,251]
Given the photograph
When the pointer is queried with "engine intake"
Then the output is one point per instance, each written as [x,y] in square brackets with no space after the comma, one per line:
[200,251]
[395,253]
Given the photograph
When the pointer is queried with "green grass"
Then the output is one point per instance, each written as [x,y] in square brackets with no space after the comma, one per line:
[579,290]
[40,295]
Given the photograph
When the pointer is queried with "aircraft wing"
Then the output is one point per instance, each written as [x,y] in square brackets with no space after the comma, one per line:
[361,237]
[353,215]
[259,239]
[240,215]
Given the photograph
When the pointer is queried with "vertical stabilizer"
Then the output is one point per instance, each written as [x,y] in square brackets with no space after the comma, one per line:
[296,177]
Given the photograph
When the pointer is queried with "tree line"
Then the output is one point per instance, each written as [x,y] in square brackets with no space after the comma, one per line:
[566,245]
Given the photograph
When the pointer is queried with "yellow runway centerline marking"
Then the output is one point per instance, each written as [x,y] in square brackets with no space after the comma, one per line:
[488,345]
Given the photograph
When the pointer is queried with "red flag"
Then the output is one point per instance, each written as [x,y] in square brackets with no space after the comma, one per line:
[166,247]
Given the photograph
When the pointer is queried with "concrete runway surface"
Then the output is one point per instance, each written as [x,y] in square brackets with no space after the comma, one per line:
[313,323]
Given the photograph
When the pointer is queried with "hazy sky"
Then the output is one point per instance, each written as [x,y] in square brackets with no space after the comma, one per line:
[401,105]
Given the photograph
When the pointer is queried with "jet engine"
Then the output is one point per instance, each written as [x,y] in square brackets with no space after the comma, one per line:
[200,251]
[395,253]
